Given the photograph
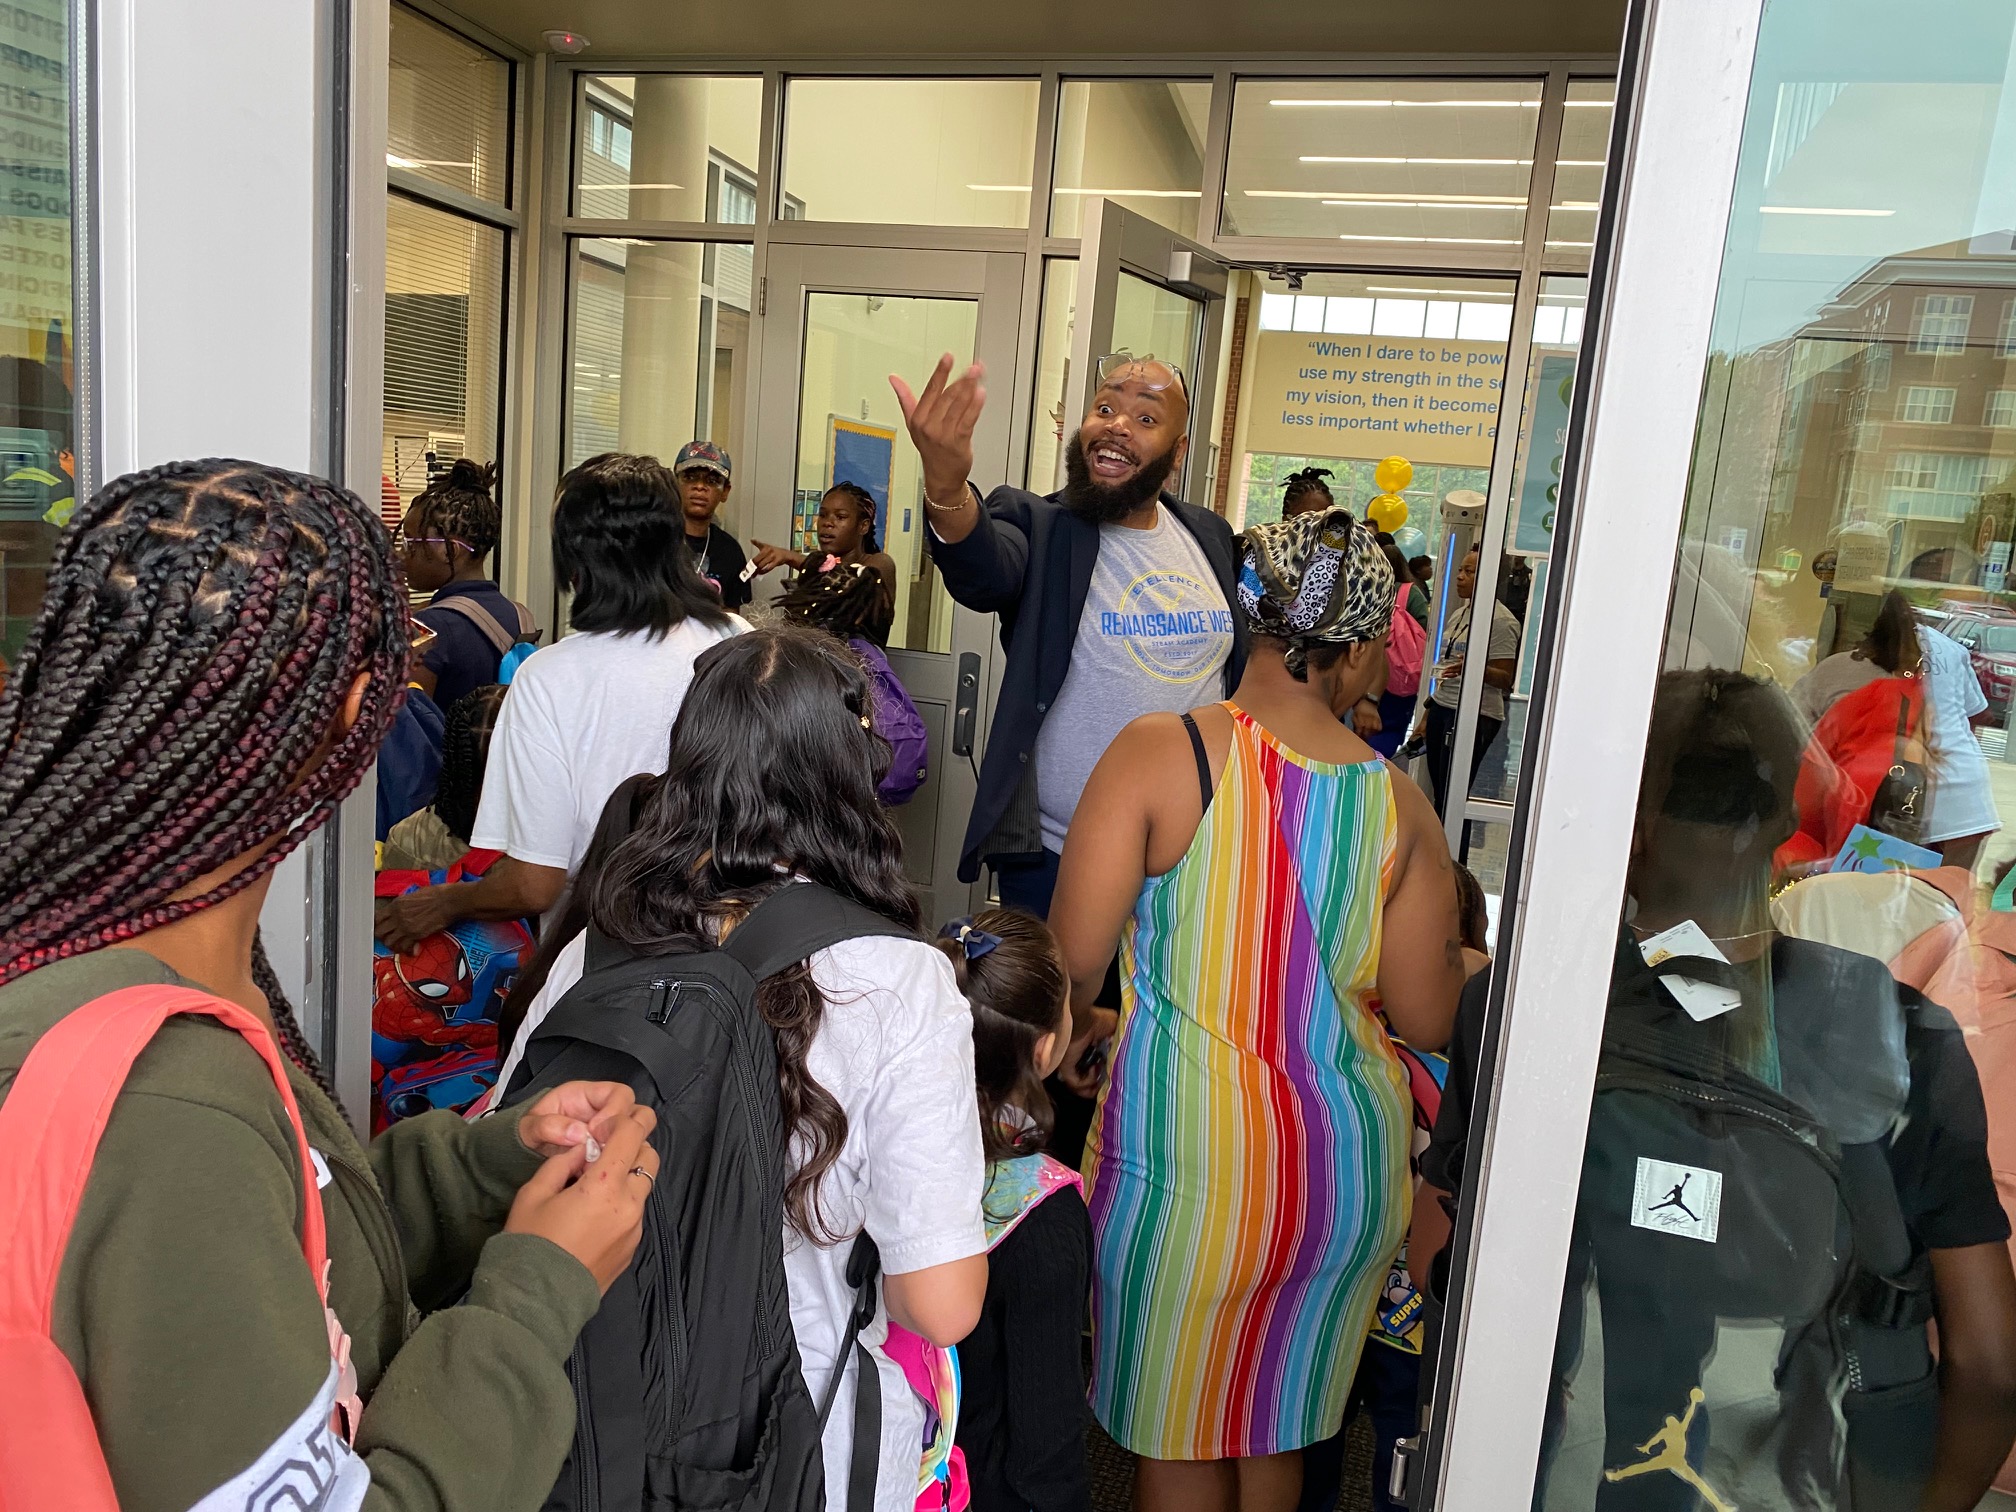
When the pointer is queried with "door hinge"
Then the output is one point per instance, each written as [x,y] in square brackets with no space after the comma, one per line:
[762,296]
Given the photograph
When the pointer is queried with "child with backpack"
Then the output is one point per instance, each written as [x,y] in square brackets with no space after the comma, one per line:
[846,534]
[228,1311]
[846,600]
[444,541]
[1021,1419]
[749,958]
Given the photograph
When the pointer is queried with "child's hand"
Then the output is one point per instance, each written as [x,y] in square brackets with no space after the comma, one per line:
[1082,1071]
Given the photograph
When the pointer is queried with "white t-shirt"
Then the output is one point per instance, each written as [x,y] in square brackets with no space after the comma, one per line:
[581,716]
[895,1049]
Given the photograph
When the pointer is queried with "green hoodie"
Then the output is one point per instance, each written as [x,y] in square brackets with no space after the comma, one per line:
[187,1310]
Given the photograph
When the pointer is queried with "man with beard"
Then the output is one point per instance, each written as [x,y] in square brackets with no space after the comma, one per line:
[1115,600]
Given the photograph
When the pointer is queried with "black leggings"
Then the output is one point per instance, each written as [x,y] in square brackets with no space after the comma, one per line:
[1442,745]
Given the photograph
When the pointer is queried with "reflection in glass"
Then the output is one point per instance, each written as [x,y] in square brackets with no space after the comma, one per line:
[1053,371]
[920,152]
[444,342]
[1139,142]
[450,108]
[849,428]
[658,347]
[37,437]
[1529,522]
[1417,162]
[667,147]
[1787,1174]
[1578,169]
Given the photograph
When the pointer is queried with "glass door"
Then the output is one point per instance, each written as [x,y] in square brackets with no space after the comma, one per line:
[1146,291]
[839,321]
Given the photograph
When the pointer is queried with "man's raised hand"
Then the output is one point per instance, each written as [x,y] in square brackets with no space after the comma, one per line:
[941,421]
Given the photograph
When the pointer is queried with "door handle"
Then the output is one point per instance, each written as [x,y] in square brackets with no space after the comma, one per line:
[966,704]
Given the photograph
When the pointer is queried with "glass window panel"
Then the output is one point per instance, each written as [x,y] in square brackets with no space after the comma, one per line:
[853,342]
[444,342]
[922,152]
[658,347]
[1277,312]
[1349,317]
[1364,408]
[1053,369]
[1415,162]
[1139,142]
[450,100]
[1529,522]
[1843,564]
[667,147]
[1578,168]
[1309,312]
[2001,408]
[1151,321]
[37,435]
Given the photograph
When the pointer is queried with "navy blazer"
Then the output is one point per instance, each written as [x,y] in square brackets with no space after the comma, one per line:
[1030,561]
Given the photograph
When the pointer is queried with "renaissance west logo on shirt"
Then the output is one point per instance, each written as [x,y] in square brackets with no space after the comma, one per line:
[1173,625]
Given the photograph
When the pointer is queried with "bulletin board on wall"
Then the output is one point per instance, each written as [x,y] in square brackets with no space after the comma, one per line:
[863,453]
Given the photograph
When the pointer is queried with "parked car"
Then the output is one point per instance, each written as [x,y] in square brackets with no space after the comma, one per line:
[1989,634]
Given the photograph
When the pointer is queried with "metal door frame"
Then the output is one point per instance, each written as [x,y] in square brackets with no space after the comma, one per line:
[1115,240]
[994,281]
[1683,92]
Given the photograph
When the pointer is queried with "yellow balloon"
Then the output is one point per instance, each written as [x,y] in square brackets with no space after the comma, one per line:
[1394,474]
[1388,512]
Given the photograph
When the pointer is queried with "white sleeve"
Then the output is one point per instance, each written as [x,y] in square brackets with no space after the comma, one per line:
[926,1173]
[1504,637]
[568,966]
[527,807]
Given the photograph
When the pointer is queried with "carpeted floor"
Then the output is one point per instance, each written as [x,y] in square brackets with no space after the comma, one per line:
[1113,1471]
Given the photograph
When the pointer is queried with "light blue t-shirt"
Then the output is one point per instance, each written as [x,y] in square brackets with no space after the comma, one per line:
[1154,638]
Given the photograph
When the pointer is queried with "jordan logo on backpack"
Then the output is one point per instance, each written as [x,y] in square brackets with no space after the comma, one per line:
[1669,1198]
[1671,1442]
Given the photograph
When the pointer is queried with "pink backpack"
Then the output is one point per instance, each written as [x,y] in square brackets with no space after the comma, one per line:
[50,1125]
[1014,1188]
[1406,648]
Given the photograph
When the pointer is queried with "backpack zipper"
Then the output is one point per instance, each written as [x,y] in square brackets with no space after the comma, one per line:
[587,1458]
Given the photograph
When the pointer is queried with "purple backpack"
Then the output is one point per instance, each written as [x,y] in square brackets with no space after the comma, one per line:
[898,722]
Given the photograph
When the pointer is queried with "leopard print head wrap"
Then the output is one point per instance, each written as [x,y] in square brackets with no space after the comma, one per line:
[1314,580]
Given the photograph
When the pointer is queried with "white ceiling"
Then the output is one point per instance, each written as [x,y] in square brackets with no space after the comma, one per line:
[1060,28]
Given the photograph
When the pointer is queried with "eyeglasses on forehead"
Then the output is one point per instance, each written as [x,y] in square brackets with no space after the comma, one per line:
[1114,365]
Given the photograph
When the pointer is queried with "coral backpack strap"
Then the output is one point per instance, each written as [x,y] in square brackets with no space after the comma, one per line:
[51,1123]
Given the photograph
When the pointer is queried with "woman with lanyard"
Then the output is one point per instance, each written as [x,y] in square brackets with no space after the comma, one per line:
[1501,669]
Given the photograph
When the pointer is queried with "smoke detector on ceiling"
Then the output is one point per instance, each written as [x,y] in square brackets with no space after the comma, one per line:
[566,42]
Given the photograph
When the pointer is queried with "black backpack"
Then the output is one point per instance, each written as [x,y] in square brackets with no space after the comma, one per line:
[687,1385]
[1743,1323]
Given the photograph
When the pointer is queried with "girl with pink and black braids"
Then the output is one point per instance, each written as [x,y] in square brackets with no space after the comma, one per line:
[220,650]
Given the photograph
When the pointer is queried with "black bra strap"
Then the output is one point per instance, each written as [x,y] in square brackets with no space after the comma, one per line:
[1203,761]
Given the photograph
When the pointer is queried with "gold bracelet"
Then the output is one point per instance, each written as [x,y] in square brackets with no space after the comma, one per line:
[931,503]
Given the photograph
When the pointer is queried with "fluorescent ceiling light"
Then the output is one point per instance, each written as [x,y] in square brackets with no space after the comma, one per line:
[1579,163]
[1467,241]
[393,160]
[1443,293]
[1108,193]
[1346,197]
[1570,244]
[638,186]
[1407,104]
[999,188]
[1419,204]
[1575,205]
[1818,210]
[1465,162]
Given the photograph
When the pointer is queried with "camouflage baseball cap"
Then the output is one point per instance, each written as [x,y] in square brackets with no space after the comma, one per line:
[703,454]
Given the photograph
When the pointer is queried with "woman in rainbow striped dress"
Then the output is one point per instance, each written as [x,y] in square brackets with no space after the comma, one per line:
[1279,897]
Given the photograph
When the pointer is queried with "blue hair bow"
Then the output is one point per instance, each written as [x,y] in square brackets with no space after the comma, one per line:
[974,940]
